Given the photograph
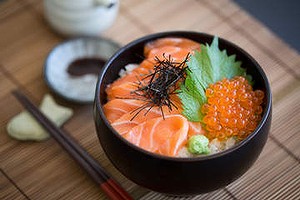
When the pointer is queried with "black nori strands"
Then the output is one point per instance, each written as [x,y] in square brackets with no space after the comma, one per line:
[157,87]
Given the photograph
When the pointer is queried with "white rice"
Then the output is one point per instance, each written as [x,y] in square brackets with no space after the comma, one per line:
[128,69]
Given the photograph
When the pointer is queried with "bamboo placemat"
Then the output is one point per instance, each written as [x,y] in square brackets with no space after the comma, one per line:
[32,170]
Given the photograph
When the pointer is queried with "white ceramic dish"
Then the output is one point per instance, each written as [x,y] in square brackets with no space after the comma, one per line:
[80,89]
[80,18]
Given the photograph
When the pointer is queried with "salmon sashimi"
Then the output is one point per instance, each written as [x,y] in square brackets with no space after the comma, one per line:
[131,119]
[115,108]
[195,128]
[126,90]
[131,80]
[163,136]
[122,91]
[133,76]
[146,67]
[137,115]
[171,41]
[177,54]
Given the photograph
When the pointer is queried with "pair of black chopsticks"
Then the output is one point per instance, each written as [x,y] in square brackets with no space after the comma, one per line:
[111,188]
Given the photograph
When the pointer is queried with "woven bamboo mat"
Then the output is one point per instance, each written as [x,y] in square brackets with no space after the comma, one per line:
[32,170]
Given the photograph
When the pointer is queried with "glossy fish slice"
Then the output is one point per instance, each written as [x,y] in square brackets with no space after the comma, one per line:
[131,119]
[123,91]
[177,54]
[163,136]
[171,41]
[115,108]
[129,81]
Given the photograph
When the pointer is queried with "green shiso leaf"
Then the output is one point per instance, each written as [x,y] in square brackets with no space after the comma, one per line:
[206,67]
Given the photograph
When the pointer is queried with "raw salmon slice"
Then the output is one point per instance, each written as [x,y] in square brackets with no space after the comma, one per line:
[163,136]
[195,128]
[115,108]
[120,88]
[177,54]
[133,76]
[131,119]
[171,41]
[122,91]
[130,80]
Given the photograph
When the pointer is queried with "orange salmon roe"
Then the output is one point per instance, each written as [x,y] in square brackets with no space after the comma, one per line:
[232,109]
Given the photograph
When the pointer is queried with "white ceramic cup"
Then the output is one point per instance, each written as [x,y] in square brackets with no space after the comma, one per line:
[81,17]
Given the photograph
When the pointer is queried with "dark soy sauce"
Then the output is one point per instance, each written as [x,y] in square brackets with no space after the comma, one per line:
[83,66]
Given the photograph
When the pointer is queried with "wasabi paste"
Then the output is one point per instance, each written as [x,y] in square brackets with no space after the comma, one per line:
[198,144]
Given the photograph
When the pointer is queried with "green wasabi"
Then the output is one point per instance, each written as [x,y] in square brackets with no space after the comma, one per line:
[198,144]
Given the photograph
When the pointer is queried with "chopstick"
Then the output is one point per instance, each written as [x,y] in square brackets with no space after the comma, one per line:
[110,187]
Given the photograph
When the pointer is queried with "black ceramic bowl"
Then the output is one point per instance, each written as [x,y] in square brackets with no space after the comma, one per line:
[180,176]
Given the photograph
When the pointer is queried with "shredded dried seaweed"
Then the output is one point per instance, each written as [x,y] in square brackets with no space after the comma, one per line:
[157,87]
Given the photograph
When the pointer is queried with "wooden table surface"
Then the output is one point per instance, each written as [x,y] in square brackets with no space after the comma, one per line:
[43,170]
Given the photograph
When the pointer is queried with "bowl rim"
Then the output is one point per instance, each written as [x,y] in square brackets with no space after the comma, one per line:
[267,110]
[53,51]
[86,8]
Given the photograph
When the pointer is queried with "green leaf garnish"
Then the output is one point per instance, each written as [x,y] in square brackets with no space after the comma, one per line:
[206,67]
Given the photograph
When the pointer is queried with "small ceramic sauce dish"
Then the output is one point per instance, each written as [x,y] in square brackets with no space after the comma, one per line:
[72,67]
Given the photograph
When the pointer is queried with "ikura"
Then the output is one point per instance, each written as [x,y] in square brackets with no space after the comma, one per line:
[233,109]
